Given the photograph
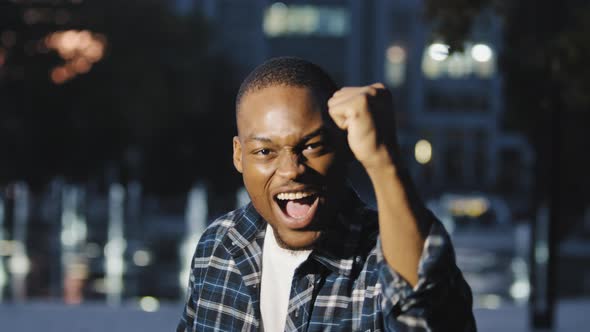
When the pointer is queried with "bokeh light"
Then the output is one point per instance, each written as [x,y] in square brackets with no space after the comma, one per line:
[423,151]
[481,53]
[79,49]
[396,54]
[438,51]
[149,304]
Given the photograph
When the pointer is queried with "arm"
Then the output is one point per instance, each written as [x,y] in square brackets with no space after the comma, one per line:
[440,301]
[402,236]
[359,111]
[188,312]
[421,285]
[198,269]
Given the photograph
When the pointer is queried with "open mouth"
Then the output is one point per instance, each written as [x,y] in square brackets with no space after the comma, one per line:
[297,208]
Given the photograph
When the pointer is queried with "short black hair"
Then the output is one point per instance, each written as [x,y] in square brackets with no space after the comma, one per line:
[289,71]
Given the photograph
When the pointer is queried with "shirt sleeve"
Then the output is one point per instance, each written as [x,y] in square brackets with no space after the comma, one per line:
[188,312]
[199,262]
[440,301]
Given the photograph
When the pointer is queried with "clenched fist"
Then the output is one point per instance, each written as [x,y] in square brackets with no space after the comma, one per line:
[366,114]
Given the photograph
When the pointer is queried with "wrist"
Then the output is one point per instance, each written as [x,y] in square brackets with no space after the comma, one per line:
[381,163]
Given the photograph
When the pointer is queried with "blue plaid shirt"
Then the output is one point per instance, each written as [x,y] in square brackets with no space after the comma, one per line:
[344,285]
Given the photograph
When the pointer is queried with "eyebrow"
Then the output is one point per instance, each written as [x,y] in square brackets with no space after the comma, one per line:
[258,138]
[318,132]
[305,138]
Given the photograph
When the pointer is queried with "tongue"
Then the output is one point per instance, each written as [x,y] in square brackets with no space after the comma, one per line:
[297,209]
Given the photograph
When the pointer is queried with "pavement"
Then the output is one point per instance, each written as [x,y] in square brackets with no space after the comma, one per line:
[571,315]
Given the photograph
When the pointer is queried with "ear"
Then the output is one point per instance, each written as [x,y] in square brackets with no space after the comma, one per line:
[237,154]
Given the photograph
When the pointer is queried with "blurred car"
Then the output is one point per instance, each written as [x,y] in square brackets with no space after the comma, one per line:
[485,243]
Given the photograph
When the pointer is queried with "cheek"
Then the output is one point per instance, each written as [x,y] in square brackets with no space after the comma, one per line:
[258,169]
[257,176]
[322,164]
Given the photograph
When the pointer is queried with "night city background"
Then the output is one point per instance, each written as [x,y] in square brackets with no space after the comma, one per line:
[116,120]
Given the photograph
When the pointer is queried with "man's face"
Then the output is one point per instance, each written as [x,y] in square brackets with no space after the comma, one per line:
[288,158]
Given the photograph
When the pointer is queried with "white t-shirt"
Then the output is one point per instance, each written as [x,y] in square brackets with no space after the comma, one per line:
[278,267]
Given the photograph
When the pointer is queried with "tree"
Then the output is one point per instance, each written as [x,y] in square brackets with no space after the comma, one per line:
[544,65]
[155,107]
[546,81]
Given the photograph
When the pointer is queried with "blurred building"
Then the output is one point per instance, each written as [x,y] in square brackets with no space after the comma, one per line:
[449,107]
[449,104]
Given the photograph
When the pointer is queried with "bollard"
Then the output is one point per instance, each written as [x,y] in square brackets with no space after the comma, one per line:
[115,247]
[73,238]
[196,222]
[19,264]
[3,276]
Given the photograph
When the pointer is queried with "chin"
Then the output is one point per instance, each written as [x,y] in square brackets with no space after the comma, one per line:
[301,240]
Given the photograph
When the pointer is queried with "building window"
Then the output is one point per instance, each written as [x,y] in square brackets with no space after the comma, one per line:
[476,60]
[453,159]
[510,174]
[438,101]
[395,65]
[305,20]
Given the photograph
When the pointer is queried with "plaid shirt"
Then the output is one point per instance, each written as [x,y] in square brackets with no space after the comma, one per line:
[344,285]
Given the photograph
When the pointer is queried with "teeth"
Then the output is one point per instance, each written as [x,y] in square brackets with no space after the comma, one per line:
[292,196]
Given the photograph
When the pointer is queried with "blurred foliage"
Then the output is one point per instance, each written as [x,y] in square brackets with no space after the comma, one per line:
[544,61]
[158,107]
[540,37]
[453,19]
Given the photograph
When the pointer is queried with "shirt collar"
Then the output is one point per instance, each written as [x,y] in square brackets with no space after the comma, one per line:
[248,227]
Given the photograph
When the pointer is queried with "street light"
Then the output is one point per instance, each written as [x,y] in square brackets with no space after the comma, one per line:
[481,53]
[438,51]
[423,151]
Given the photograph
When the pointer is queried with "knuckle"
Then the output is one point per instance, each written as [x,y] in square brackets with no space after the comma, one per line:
[363,101]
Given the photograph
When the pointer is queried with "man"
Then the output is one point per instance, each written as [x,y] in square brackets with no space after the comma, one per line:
[306,254]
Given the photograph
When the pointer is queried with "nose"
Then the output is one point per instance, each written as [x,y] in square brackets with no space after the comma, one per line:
[290,165]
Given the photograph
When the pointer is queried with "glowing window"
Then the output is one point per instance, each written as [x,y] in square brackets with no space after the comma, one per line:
[477,60]
[395,65]
[305,20]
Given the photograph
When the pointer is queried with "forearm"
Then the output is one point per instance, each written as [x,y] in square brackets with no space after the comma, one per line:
[441,301]
[399,211]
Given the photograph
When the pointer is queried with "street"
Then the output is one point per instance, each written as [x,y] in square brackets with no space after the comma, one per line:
[572,316]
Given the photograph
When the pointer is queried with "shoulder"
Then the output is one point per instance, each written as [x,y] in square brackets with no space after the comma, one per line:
[218,229]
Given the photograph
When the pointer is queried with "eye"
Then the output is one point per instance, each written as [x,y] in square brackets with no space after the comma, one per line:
[312,146]
[263,152]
